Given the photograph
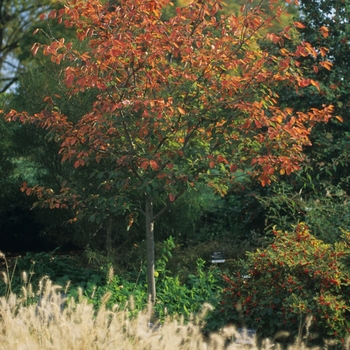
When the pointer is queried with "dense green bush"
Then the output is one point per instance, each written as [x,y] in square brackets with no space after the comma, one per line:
[296,280]
[174,297]
[323,207]
[31,268]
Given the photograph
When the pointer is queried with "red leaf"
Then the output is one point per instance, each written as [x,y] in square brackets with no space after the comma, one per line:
[53,14]
[221,159]
[69,80]
[304,82]
[258,124]
[48,99]
[265,180]
[233,168]
[172,197]
[211,164]
[170,166]
[144,165]
[154,165]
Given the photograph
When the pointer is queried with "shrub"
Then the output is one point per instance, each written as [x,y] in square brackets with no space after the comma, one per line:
[61,269]
[174,297]
[297,279]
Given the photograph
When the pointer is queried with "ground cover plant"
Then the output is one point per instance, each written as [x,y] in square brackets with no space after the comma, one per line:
[178,295]
[295,280]
[175,298]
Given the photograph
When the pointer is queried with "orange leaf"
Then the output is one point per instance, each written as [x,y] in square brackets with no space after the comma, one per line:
[339,118]
[299,25]
[279,119]
[172,197]
[316,84]
[154,165]
[324,31]
[181,110]
[48,99]
[211,164]
[323,51]
[69,80]
[24,186]
[326,64]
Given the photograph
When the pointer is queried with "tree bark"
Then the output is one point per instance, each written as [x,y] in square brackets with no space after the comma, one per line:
[150,249]
[109,237]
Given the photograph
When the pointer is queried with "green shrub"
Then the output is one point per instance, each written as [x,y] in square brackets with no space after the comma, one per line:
[61,269]
[174,297]
[296,280]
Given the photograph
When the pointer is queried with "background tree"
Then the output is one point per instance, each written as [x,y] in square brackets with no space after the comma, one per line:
[318,194]
[178,102]
[16,17]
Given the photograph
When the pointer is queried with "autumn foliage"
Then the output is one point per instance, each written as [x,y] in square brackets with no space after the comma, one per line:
[179,100]
[297,281]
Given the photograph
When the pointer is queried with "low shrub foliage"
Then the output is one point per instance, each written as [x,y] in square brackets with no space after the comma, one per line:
[174,297]
[298,279]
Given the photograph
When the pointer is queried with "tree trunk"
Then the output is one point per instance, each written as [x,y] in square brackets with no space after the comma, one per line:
[109,237]
[150,249]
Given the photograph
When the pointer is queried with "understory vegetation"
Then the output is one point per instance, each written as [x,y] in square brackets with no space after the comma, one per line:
[294,290]
[57,322]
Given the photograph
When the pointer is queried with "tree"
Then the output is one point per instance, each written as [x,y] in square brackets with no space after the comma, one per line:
[16,16]
[180,101]
[329,156]
[318,194]
[326,25]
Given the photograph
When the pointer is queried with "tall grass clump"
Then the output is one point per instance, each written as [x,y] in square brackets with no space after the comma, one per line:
[57,323]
